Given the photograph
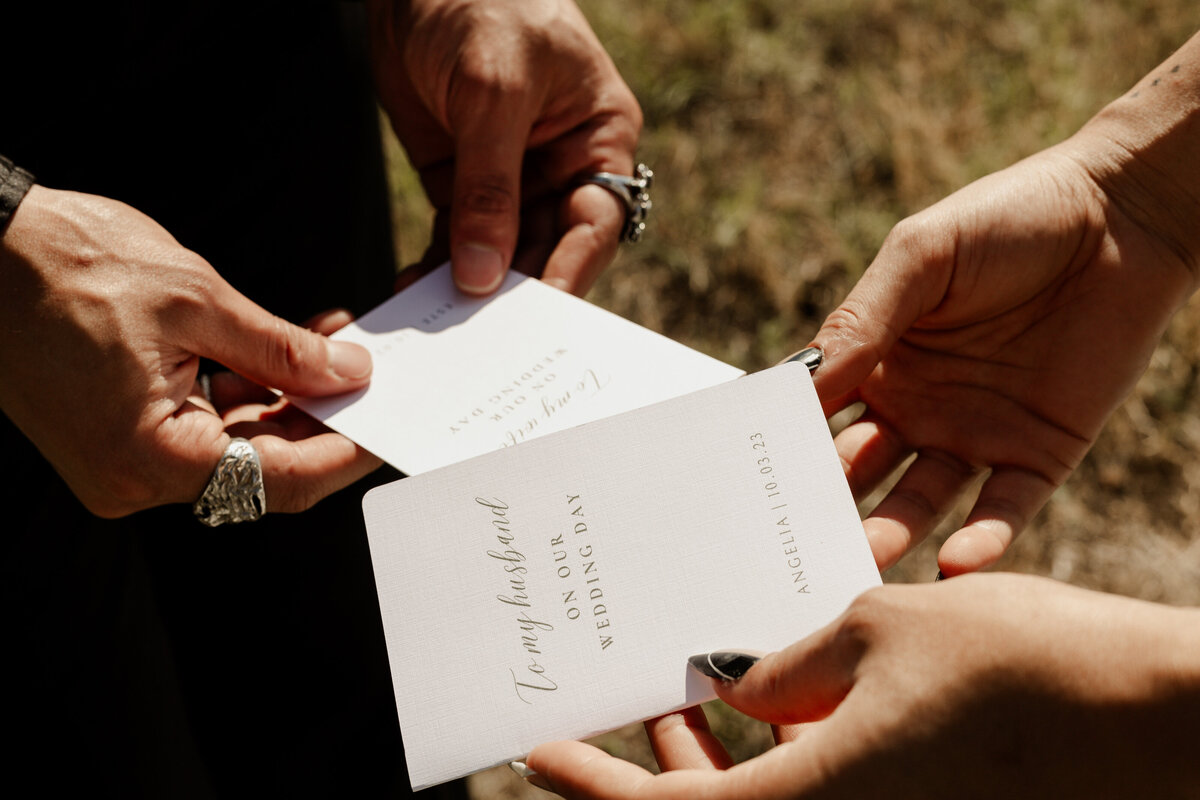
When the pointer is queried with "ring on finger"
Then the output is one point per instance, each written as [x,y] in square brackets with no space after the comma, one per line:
[235,491]
[634,194]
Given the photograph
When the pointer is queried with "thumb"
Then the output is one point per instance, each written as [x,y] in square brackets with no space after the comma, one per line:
[485,209]
[273,352]
[802,683]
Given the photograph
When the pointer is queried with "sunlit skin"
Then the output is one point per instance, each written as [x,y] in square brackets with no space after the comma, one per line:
[106,316]
[997,330]
[993,335]
[502,107]
[106,321]
[982,686]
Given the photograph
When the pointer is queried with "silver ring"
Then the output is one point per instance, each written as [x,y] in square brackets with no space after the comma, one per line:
[235,490]
[634,193]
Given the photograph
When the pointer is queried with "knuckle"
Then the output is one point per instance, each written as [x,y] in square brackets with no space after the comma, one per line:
[923,238]
[868,614]
[489,195]
[287,489]
[844,317]
[484,73]
[917,501]
[493,71]
[905,233]
[191,290]
[853,323]
[909,234]
[599,241]
[287,350]
[295,352]
[957,468]
[185,305]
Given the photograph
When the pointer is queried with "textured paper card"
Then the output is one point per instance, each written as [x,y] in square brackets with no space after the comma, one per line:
[456,376]
[555,590]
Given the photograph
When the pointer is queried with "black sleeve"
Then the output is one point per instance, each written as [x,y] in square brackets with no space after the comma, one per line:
[14,183]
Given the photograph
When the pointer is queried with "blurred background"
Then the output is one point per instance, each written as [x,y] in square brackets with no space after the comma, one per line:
[788,138]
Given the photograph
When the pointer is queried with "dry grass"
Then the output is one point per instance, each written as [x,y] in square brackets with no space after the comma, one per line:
[789,138]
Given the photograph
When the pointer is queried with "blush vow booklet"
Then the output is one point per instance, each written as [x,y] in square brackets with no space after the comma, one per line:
[555,590]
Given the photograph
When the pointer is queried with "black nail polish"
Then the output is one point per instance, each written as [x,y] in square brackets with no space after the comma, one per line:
[940,577]
[724,665]
[810,357]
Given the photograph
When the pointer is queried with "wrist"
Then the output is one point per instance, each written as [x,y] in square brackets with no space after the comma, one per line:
[1143,153]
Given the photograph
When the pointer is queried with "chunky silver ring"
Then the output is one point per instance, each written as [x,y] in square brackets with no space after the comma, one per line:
[235,490]
[634,193]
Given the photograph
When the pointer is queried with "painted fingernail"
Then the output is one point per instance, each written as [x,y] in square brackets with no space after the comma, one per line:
[940,577]
[522,769]
[810,357]
[349,360]
[724,665]
[478,269]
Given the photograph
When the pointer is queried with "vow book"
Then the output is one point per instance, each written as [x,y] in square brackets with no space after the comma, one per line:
[556,590]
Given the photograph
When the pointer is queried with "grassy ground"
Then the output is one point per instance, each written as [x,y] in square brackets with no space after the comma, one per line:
[788,138]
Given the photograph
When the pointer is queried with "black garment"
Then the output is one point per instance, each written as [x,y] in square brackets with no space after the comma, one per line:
[150,656]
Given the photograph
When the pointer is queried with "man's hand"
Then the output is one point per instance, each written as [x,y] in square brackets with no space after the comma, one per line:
[105,319]
[984,686]
[502,106]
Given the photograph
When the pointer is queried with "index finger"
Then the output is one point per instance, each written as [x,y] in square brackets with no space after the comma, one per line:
[591,217]
[683,740]
[297,474]
[592,220]
[907,279]
[579,771]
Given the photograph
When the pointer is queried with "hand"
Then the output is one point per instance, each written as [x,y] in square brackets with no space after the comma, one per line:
[502,105]
[984,686]
[106,317]
[996,331]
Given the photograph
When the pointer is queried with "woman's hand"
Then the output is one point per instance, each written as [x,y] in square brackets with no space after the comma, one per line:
[983,686]
[996,331]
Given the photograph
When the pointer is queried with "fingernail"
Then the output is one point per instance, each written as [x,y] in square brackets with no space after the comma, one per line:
[940,577]
[477,269]
[724,665]
[557,283]
[523,770]
[349,360]
[810,357]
